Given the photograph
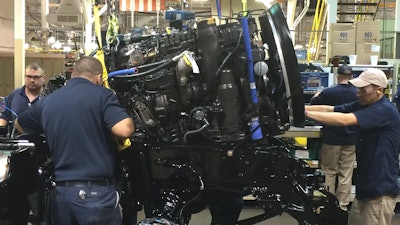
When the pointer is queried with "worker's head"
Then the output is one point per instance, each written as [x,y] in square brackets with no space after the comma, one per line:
[344,72]
[34,77]
[90,68]
[370,85]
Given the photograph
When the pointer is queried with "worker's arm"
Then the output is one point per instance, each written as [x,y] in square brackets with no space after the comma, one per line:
[332,118]
[319,108]
[19,128]
[123,129]
[3,122]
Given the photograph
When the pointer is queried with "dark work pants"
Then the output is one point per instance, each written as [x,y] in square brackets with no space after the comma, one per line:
[86,206]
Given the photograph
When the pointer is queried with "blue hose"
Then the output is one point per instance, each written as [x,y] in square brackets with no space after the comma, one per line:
[218,9]
[246,37]
[122,72]
[255,128]
[11,111]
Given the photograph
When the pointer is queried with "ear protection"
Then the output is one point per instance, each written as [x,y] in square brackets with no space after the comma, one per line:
[378,92]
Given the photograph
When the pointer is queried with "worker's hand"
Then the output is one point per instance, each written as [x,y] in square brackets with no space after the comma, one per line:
[316,94]
[319,90]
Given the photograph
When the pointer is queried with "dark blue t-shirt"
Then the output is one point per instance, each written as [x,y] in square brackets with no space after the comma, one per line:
[337,95]
[18,102]
[377,148]
[77,120]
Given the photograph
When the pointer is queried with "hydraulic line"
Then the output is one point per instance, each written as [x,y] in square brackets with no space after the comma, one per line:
[255,128]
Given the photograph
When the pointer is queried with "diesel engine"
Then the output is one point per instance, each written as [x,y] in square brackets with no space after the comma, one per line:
[209,104]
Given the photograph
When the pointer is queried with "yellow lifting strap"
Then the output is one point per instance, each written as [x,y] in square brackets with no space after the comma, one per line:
[100,53]
[122,145]
[112,30]
[244,7]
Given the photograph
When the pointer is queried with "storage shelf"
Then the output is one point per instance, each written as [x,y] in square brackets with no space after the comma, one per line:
[362,67]
[306,131]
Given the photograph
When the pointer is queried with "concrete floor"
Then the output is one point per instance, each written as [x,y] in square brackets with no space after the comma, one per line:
[203,217]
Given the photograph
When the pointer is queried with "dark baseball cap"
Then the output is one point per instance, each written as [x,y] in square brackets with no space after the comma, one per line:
[344,70]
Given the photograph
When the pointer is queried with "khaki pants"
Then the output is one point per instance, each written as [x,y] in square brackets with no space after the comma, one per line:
[377,211]
[337,162]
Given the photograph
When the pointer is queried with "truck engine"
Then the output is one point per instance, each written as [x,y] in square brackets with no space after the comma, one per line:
[209,106]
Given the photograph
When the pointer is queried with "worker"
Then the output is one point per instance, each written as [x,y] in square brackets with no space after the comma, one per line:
[338,151]
[81,121]
[15,103]
[21,98]
[377,147]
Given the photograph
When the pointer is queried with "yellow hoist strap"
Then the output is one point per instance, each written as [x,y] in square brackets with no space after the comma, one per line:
[244,7]
[112,30]
[100,53]
[122,145]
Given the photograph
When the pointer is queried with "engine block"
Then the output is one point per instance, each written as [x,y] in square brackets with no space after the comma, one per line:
[209,105]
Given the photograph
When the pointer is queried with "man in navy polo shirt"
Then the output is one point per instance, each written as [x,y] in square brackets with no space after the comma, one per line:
[338,151]
[81,121]
[377,147]
[17,102]
[21,98]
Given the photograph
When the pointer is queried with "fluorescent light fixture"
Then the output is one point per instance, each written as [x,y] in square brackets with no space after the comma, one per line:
[57,45]
[51,40]
[296,47]
[93,45]
[267,3]
[67,48]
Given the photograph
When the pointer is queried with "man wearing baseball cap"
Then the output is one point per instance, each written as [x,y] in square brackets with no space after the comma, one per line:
[377,146]
[338,150]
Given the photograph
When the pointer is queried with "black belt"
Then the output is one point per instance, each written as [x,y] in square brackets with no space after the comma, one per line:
[85,183]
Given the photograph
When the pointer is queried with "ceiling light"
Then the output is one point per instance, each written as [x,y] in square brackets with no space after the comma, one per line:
[267,3]
[57,45]
[51,40]
[67,48]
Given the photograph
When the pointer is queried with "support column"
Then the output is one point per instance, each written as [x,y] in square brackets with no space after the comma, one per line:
[19,42]
[291,10]
[332,14]
[331,18]
[332,11]
[44,11]
[397,31]
[87,11]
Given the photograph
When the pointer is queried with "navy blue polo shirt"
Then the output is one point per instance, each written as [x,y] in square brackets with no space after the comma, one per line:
[77,120]
[377,148]
[18,102]
[337,95]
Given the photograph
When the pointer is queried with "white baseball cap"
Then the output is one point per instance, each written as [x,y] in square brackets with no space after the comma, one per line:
[370,76]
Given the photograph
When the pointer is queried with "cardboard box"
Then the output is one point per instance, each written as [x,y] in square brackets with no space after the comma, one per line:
[7,35]
[368,31]
[341,49]
[365,50]
[342,33]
